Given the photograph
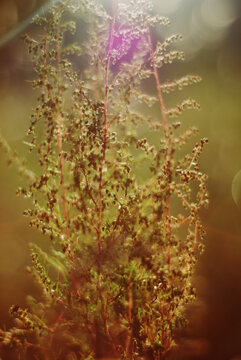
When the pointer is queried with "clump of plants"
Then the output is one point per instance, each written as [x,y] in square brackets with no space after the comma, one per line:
[122,247]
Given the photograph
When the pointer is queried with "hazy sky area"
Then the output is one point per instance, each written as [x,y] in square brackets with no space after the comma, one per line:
[202,22]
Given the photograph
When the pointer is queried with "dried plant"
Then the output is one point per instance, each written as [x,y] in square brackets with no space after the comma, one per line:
[117,276]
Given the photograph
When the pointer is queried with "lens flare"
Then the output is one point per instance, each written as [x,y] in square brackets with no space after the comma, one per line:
[24,24]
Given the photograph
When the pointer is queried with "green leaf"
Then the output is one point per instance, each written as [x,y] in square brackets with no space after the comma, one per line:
[53,261]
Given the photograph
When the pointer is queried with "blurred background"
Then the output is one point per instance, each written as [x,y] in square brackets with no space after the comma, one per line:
[211,32]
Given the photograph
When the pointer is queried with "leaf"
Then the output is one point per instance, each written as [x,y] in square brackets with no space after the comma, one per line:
[29,144]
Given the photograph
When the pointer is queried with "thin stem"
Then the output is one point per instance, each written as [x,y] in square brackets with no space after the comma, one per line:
[167,139]
[55,328]
[63,191]
[158,86]
[59,143]
[89,189]
[14,158]
[195,237]
[128,349]
[101,167]
[184,221]
[183,199]
[45,63]
[107,66]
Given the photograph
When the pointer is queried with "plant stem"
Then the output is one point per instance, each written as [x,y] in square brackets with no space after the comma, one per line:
[55,328]
[130,316]
[101,167]
[59,143]
[107,65]
[167,140]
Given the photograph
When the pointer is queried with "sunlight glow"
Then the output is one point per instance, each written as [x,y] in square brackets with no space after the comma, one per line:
[218,13]
[202,23]
[168,7]
[5,37]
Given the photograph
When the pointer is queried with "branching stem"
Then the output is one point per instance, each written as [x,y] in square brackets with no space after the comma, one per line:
[101,167]
[167,140]
[59,143]
[128,349]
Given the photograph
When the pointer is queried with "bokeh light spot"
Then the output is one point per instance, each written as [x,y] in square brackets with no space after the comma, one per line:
[218,13]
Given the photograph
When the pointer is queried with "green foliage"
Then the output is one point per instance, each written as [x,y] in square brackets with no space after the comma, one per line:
[118,276]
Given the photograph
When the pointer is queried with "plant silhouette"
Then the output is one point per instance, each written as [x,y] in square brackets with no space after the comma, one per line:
[117,276]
